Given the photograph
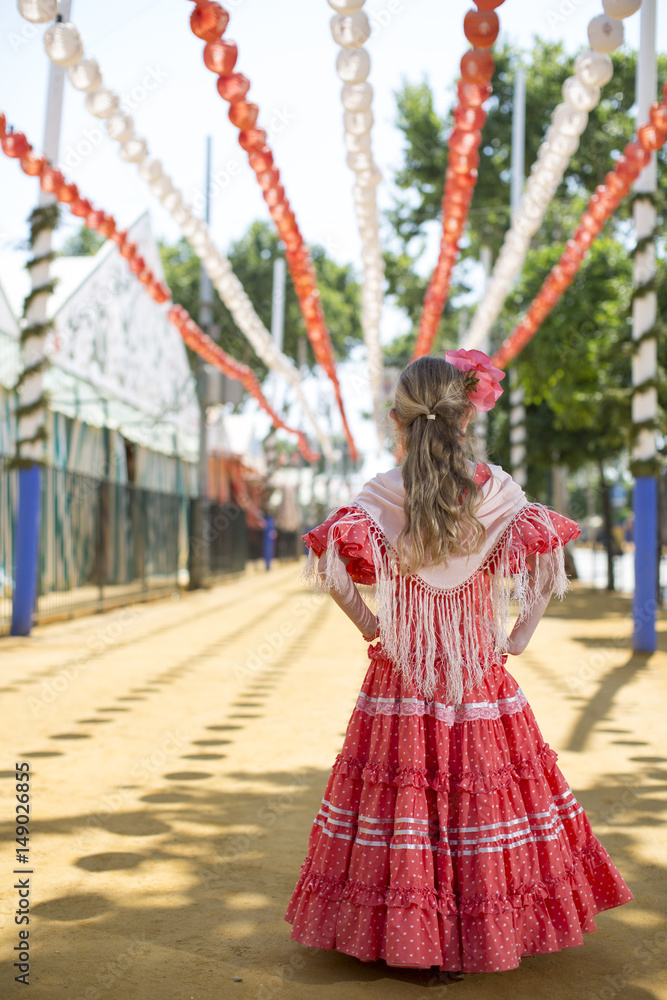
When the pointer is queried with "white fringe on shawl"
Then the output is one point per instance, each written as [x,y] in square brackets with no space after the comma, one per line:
[420,624]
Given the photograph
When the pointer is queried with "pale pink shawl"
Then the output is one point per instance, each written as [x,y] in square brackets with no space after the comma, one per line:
[449,621]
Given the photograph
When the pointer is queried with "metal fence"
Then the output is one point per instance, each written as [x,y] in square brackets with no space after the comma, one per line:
[104,543]
[101,543]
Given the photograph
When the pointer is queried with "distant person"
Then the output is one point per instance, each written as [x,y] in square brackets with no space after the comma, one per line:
[447,838]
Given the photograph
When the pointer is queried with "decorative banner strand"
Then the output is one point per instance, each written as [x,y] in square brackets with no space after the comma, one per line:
[63,46]
[581,94]
[603,202]
[209,21]
[481,29]
[16,146]
[350,29]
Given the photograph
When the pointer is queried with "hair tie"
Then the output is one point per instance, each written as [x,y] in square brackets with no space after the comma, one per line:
[430,416]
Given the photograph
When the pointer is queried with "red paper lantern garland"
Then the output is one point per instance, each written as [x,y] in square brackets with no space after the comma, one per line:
[603,202]
[15,145]
[220,58]
[477,65]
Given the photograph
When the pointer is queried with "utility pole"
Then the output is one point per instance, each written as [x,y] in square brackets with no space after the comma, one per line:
[517,409]
[199,508]
[32,420]
[644,361]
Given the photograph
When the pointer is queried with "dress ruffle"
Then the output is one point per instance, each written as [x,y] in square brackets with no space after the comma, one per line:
[451,844]
[352,543]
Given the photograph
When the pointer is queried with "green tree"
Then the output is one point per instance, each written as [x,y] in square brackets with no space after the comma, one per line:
[84,243]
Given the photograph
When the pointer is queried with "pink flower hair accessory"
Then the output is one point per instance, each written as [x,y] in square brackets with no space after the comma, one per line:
[481,377]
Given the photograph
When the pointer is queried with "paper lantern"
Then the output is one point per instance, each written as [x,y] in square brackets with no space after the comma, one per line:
[594,69]
[469,119]
[268,179]
[357,143]
[172,201]
[651,137]
[234,87]
[252,140]
[16,145]
[137,264]
[567,121]
[619,9]
[128,250]
[81,208]
[262,161]
[51,180]
[85,75]
[605,34]
[578,96]
[353,65]
[120,126]
[658,116]
[472,95]
[627,170]
[477,66]
[134,150]
[350,31]
[636,154]
[564,145]
[107,227]
[220,56]
[463,163]
[150,169]
[346,6]
[359,161]
[358,122]
[243,115]
[209,21]
[95,218]
[161,186]
[32,165]
[63,44]
[273,195]
[616,184]
[38,11]
[481,28]
[102,103]
[464,142]
[356,96]
[68,193]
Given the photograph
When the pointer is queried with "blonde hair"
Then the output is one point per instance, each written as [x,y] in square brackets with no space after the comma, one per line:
[440,494]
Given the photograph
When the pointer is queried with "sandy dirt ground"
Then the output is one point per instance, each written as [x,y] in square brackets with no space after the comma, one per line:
[178,753]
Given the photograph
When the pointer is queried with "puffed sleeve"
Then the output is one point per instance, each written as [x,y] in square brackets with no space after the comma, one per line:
[540,529]
[347,529]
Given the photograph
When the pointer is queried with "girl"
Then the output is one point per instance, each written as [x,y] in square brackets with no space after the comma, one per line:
[447,835]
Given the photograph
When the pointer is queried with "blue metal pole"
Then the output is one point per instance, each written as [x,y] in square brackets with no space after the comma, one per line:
[26,553]
[645,508]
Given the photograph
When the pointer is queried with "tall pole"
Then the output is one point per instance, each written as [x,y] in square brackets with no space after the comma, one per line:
[31,415]
[644,361]
[517,408]
[198,542]
[278,322]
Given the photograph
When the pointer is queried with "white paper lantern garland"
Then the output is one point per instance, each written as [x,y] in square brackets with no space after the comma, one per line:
[581,94]
[350,28]
[63,46]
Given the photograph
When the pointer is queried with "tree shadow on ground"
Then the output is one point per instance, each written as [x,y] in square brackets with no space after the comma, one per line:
[200,898]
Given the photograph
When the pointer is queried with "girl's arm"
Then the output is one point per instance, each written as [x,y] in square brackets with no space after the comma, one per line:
[348,598]
[540,588]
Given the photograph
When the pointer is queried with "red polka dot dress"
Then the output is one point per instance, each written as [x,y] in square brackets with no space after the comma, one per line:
[447,835]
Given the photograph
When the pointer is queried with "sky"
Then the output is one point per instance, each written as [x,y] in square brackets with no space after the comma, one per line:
[148,54]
